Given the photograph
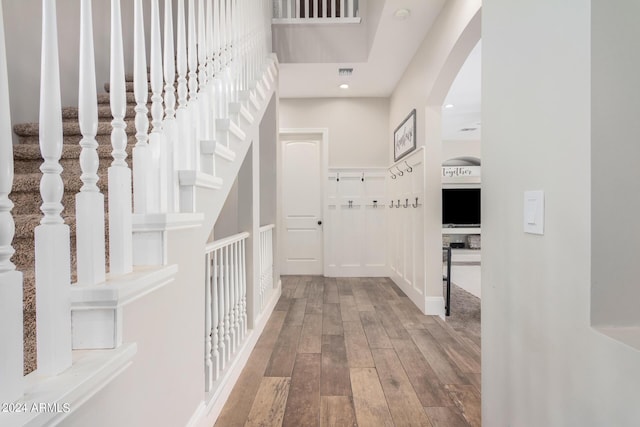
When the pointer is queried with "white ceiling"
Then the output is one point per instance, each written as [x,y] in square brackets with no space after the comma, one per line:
[391,45]
[464,96]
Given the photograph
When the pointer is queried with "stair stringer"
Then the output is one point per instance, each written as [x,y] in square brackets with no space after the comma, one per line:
[241,134]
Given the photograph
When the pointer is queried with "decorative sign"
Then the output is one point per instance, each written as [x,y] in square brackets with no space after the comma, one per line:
[404,137]
[453,172]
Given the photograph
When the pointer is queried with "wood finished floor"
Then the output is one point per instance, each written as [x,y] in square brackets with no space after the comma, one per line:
[356,352]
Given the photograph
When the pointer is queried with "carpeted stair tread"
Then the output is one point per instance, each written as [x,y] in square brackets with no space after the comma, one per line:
[69,151]
[104,112]
[104,98]
[26,224]
[30,182]
[75,139]
[69,128]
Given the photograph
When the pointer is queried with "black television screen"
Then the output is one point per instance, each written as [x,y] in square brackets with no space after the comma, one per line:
[461,206]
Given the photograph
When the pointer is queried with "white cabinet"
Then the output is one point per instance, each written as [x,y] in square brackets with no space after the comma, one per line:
[356,223]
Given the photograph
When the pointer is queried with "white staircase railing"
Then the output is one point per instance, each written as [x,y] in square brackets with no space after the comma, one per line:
[315,11]
[225,304]
[266,263]
[221,59]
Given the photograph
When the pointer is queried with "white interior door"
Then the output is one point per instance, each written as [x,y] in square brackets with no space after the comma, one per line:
[303,171]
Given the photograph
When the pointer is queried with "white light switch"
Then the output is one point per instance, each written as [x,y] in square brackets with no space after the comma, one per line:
[534,212]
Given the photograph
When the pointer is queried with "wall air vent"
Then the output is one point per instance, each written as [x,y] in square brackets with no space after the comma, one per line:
[345,72]
[468,129]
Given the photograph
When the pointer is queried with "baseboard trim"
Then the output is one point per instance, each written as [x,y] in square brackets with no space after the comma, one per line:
[434,306]
[207,416]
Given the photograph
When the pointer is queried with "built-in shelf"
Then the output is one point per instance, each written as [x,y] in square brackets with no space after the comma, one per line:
[459,230]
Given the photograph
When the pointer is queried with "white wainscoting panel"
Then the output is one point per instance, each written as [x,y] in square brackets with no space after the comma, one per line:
[356,224]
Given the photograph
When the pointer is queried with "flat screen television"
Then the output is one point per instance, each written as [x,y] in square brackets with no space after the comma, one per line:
[461,207]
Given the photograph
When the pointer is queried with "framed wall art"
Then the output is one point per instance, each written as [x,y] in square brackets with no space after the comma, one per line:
[404,137]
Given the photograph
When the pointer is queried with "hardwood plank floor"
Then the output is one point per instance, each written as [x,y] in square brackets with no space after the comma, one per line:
[352,352]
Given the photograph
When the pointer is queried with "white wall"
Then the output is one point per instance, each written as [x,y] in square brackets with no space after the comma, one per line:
[358,127]
[424,87]
[165,383]
[455,149]
[543,364]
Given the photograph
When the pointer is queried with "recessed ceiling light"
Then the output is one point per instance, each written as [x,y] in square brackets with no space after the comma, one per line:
[402,14]
[344,86]
[449,106]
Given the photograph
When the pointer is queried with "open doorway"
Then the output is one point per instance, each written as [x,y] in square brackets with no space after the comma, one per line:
[461,194]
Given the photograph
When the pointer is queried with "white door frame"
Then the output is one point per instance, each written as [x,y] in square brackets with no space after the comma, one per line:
[324,169]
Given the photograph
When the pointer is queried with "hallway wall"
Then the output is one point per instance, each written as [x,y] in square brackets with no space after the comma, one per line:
[358,127]
[424,86]
[543,363]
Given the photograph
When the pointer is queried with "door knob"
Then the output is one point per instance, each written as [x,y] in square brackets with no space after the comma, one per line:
[319,222]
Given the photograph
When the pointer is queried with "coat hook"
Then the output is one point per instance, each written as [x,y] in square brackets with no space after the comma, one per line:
[393,175]
[399,171]
[399,205]
[338,177]
[416,204]
[391,205]
[406,203]
[409,168]
[375,204]
[350,204]
[362,179]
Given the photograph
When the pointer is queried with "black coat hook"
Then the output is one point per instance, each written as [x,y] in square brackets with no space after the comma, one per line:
[416,203]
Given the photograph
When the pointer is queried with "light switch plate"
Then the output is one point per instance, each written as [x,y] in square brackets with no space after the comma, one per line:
[534,212]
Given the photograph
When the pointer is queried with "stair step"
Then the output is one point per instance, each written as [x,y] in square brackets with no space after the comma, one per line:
[104,98]
[128,84]
[70,128]
[26,191]
[104,112]
[75,140]
[27,158]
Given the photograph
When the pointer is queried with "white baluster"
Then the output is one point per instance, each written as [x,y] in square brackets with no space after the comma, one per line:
[202,73]
[11,359]
[243,273]
[52,244]
[222,297]
[156,138]
[142,178]
[324,8]
[208,345]
[215,327]
[183,148]
[350,12]
[227,308]
[210,67]
[120,209]
[232,298]
[170,129]
[342,8]
[192,56]
[289,14]
[89,202]
[238,297]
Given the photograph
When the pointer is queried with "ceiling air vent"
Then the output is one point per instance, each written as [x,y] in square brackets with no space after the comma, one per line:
[345,72]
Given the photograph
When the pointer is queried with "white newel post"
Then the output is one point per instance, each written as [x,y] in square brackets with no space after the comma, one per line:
[170,129]
[120,206]
[90,239]
[52,243]
[156,139]
[182,145]
[11,358]
[141,153]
